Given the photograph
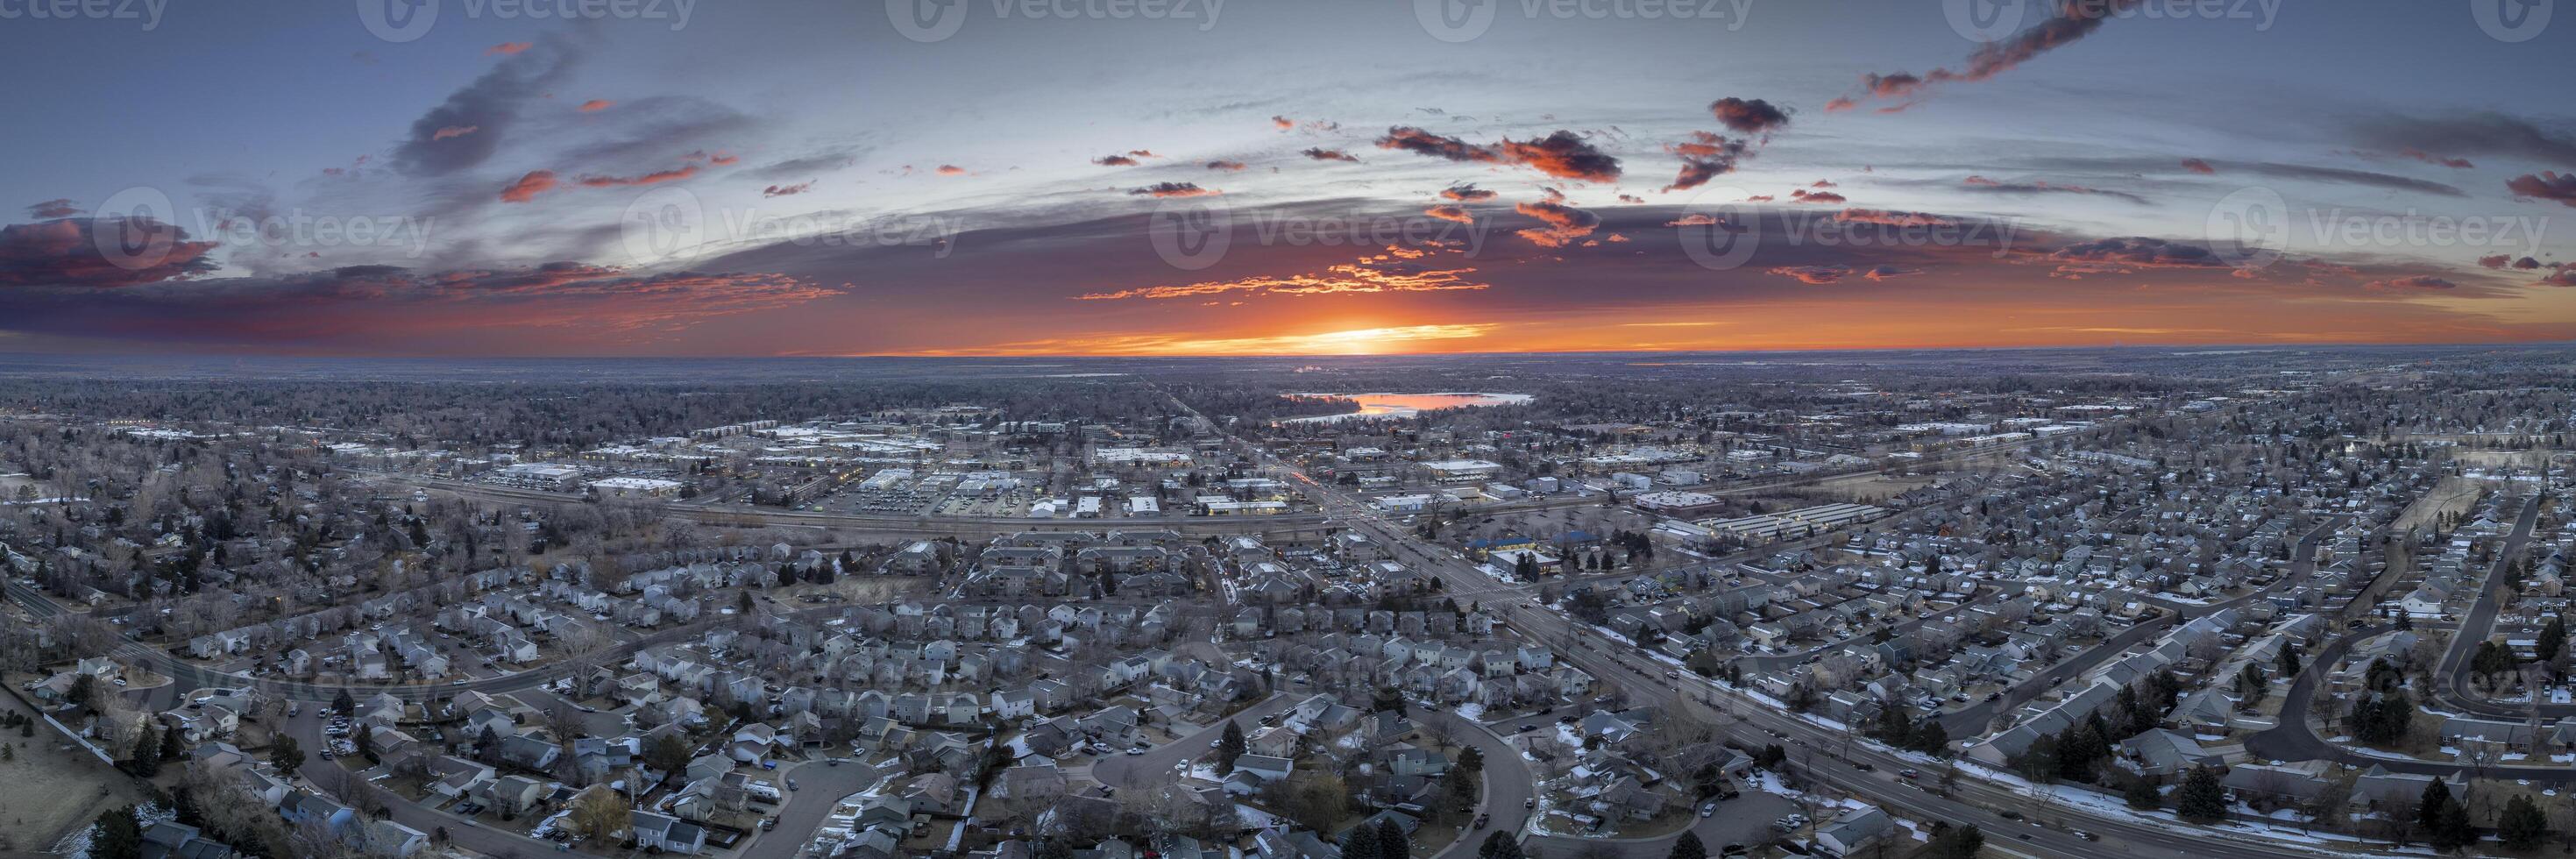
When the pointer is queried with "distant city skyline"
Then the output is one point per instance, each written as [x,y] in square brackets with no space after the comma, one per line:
[450,178]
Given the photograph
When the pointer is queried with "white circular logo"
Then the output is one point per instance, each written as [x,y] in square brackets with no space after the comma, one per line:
[1984,21]
[2512,20]
[2249,228]
[1191,233]
[926,21]
[663,225]
[1719,228]
[398,20]
[135,229]
[1455,21]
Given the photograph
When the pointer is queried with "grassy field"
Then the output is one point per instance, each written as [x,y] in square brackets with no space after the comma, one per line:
[50,788]
[2451,495]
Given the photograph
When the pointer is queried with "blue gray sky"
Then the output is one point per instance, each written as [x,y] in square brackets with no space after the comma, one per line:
[746,178]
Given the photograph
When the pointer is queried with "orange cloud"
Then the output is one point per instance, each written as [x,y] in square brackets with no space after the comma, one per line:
[529,186]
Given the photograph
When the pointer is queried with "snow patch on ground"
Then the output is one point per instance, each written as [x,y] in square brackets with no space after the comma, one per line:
[2105,805]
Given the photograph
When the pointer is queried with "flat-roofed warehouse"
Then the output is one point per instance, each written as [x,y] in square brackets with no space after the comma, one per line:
[1795,523]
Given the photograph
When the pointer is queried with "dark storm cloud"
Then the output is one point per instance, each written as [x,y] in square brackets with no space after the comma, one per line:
[364,306]
[1173,189]
[68,252]
[1563,155]
[1983,185]
[1706,156]
[1748,116]
[2545,186]
[2478,133]
[60,207]
[1420,142]
[806,165]
[491,105]
[2141,252]
[2073,20]
[2269,169]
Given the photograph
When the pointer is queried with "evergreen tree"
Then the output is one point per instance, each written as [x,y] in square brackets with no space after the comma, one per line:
[2133,713]
[2251,685]
[1392,843]
[1954,842]
[119,835]
[146,760]
[2142,795]
[2553,638]
[342,704]
[1894,726]
[2523,825]
[1360,843]
[1688,847]
[1229,746]
[2168,689]
[2452,831]
[2201,799]
[285,755]
[2428,808]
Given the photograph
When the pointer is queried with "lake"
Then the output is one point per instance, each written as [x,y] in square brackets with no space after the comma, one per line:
[1387,405]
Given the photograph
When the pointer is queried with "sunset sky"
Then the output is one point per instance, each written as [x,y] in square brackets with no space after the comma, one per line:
[547,177]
